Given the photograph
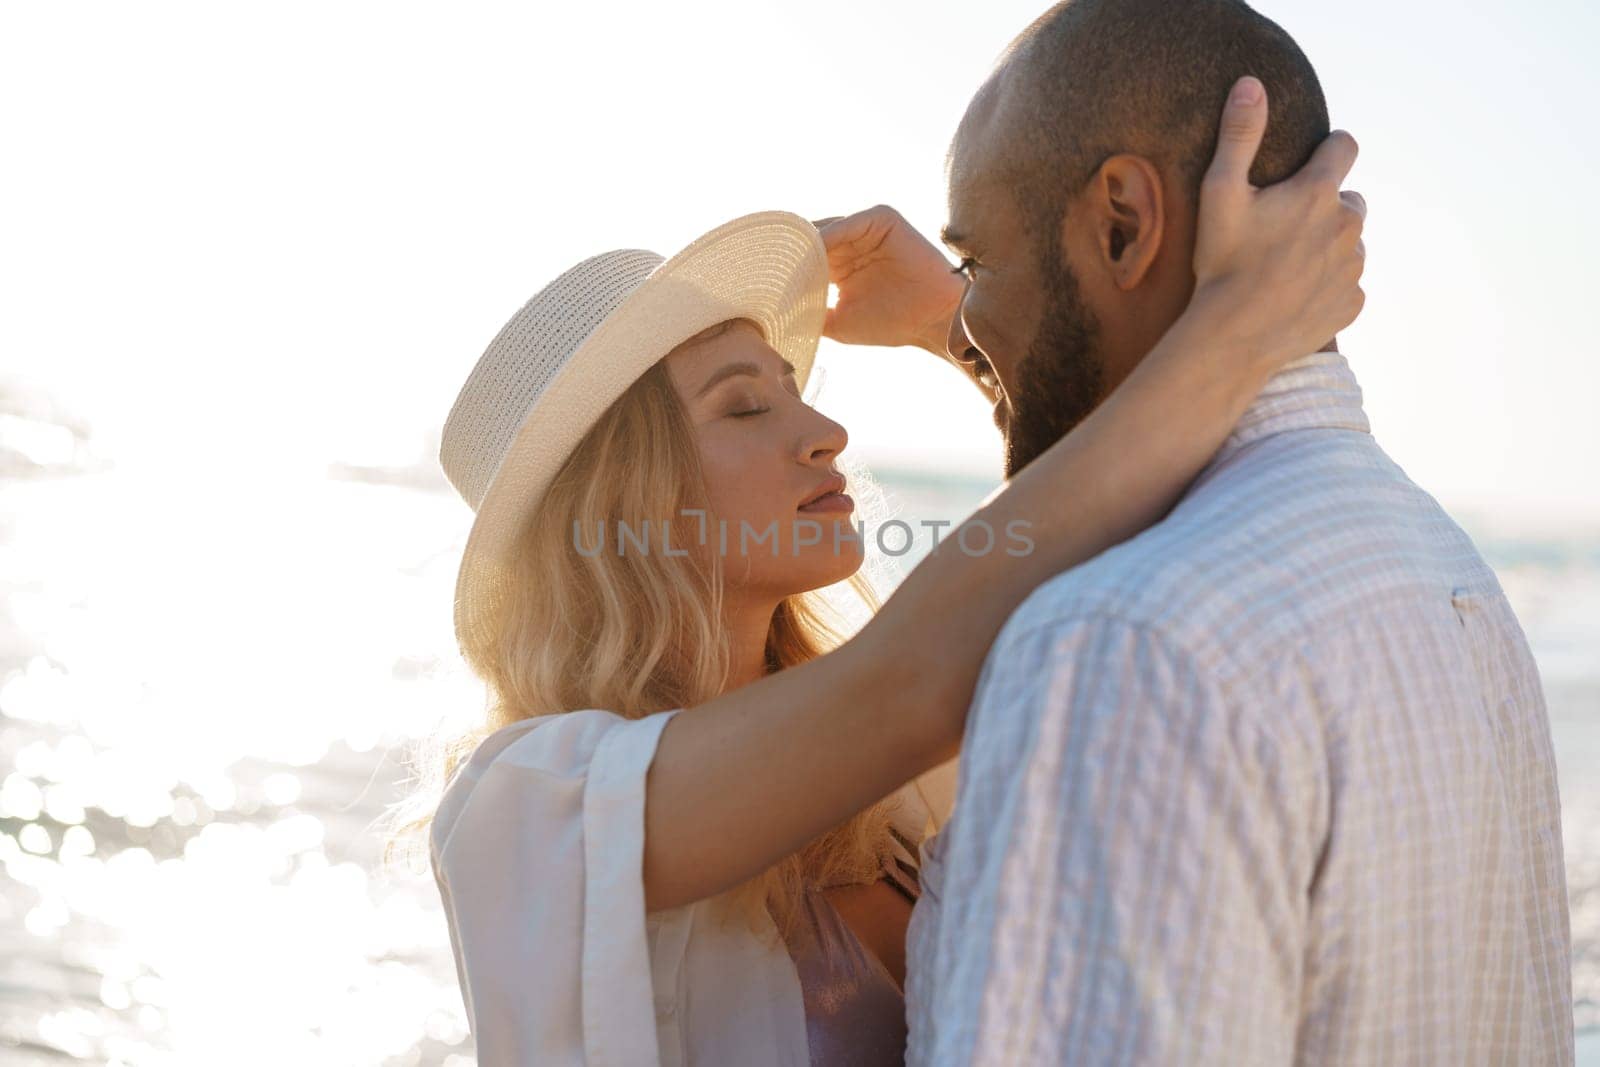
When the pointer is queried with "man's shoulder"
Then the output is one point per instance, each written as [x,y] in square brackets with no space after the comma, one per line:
[1132,586]
[1243,563]
[1181,568]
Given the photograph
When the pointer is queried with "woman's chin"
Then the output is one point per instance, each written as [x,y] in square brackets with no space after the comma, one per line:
[818,566]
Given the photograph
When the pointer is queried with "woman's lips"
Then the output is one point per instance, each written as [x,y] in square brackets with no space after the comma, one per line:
[830,502]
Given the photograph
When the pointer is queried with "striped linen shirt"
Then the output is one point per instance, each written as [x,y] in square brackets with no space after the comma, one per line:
[1269,783]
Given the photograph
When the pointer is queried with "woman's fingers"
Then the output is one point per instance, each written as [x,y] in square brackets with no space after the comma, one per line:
[1353,209]
[1331,161]
[1357,204]
[894,287]
[1244,123]
[847,237]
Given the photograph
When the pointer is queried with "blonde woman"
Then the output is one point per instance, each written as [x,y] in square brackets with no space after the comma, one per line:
[687,831]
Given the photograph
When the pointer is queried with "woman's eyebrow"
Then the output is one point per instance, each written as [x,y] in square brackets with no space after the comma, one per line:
[731,369]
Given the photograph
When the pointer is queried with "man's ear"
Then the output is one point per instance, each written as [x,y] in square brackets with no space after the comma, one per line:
[1128,218]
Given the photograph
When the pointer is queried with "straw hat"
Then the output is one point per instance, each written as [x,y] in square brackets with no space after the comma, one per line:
[582,340]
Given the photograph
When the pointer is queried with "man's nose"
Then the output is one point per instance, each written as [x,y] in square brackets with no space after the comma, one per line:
[958,345]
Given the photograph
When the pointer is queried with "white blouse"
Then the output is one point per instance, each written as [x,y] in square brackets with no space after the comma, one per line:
[538,849]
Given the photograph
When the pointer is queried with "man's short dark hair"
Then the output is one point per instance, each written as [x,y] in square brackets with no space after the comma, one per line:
[1099,77]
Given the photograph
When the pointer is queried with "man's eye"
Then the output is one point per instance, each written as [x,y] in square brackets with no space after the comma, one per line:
[966,267]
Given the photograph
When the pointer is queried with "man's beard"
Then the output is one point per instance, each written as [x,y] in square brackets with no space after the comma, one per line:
[1060,380]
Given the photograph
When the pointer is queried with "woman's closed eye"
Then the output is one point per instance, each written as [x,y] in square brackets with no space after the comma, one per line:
[750,407]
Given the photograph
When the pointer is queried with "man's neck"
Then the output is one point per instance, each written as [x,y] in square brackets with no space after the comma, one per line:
[1316,391]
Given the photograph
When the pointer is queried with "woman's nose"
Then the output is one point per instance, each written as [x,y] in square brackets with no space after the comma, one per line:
[824,437]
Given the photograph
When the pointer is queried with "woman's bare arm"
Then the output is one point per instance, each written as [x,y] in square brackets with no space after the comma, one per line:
[743,780]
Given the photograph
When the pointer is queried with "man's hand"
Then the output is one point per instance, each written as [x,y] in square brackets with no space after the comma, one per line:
[895,287]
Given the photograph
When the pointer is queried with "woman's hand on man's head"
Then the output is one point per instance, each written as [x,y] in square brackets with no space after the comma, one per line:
[1281,265]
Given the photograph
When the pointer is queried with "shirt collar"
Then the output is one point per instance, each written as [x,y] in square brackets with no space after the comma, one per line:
[1318,391]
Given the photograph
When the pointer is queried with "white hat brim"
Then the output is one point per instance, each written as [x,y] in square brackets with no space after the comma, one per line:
[770,267]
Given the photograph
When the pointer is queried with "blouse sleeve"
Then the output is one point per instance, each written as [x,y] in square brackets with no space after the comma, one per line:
[538,852]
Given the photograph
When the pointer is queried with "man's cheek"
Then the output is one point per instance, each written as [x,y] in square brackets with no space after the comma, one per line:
[996,320]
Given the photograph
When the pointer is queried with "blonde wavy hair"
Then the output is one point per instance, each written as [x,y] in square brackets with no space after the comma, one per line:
[639,633]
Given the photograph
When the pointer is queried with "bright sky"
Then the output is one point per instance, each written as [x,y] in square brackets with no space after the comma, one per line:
[245,237]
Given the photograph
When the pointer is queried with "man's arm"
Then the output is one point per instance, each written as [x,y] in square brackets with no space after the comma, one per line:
[1126,874]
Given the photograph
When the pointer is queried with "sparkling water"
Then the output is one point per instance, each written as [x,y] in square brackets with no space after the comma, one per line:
[205,687]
